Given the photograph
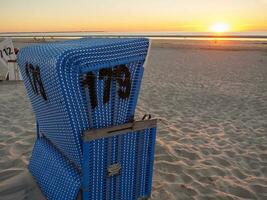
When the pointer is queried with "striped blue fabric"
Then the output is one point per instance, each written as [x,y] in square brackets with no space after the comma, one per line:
[64,116]
[70,94]
[54,173]
[134,152]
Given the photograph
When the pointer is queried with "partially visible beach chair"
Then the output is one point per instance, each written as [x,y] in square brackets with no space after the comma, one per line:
[84,93]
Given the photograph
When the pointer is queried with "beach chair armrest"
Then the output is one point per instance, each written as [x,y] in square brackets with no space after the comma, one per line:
[119,129]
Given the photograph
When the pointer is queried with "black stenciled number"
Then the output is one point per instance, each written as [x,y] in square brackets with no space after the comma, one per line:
[29,71]
[124,82]
[9,51]
[5,50]
[122,76]
[89,81]
[35,80]
[40,83]
[34,76]
[106,72]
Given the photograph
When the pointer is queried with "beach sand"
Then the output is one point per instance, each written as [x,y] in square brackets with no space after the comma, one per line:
[211,99]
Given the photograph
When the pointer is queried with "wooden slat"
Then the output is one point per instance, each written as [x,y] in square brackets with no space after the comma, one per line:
[118,130]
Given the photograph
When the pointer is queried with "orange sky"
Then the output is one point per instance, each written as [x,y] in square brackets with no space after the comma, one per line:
[131,15]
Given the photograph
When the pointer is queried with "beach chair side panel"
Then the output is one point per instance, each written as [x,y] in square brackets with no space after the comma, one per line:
[131,154]
[56,176]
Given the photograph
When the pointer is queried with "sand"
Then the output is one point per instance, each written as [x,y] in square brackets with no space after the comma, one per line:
[211,99]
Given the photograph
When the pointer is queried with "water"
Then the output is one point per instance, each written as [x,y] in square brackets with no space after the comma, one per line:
[260,36]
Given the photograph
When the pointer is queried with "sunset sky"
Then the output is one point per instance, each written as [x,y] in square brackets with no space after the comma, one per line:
[131,15]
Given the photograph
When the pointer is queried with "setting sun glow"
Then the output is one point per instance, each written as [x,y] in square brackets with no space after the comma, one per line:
[213,16]
[220,28]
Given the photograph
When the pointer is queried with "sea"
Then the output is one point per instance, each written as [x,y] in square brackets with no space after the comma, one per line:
[259,36]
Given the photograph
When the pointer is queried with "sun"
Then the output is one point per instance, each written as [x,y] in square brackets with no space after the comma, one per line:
[220,28]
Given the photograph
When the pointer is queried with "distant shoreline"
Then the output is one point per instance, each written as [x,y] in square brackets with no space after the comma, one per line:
[153,35]
[133,35]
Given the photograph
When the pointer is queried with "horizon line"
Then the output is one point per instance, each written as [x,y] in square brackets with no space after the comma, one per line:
[104,31]
[151,36]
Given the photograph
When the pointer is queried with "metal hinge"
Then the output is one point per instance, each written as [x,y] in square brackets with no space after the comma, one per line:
[114,169]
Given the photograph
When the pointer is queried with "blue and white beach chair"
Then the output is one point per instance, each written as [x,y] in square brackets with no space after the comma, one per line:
[84,93]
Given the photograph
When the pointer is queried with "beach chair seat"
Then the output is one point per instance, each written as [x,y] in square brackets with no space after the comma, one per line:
[83,85]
